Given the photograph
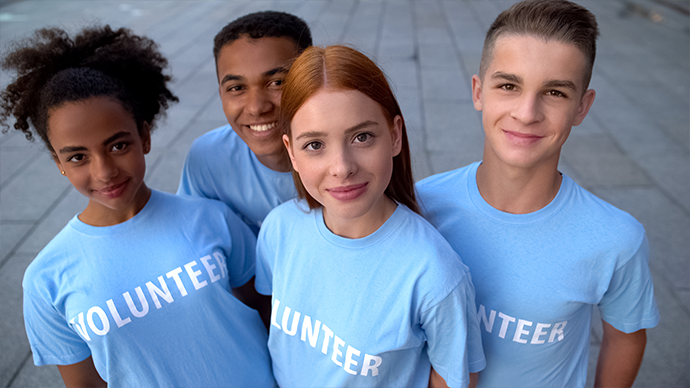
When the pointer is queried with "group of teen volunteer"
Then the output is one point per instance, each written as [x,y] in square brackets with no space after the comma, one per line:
[486,275]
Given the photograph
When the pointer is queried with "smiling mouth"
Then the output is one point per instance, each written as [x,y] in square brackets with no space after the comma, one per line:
[113,191]
[263,127]
[348,193]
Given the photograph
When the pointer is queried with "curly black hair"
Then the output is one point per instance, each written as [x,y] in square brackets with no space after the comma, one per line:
[270,24]
[52,69]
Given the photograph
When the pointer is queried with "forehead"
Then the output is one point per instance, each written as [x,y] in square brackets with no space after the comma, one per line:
[532,56]
[88,120]
[330,109]
[249,58]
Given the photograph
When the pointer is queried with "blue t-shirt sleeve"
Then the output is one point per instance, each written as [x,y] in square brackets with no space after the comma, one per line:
[628,304]
[194,172]
[265,258]
[242,261]
[453,336]
[52,340]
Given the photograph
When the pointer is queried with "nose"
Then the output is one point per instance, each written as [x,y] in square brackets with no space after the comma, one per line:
[528,109]
[104,169]
[258,102]
[342,164]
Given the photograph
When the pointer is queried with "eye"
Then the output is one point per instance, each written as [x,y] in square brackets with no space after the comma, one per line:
[276,83]
[234,88]
[119,146]
[508,87]
[555,93]
[313,146]
[363,137]
[76,158]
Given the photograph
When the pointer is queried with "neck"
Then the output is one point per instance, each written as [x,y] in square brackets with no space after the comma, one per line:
[277,162]
[518,190]
[364,225]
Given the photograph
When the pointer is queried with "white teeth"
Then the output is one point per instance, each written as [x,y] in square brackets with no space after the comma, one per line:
[262,127]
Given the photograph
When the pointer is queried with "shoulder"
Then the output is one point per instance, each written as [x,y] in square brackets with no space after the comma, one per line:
[607,227]
[596,211]
[291,212]
[51,259]
[222,140]
[444,180]
[416,234]
[190,207]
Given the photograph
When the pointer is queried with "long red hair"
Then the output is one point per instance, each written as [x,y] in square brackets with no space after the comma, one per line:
[344,68]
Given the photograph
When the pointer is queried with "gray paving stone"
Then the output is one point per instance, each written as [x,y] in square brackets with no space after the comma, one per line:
[39,186]
[45,229]
[10,235]
[31,376]
[15,346]
[596,158]
[446,85]
[453,126]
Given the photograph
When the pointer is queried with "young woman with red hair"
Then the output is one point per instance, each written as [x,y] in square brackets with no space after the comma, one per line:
[365,291]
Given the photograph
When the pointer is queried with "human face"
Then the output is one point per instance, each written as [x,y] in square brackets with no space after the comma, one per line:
[342,146]
[250,78]
[530,97]
[98,146]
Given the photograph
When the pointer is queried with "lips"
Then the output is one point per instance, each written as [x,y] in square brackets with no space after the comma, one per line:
[522,138]
[348,193]
[113,191]
[263,127]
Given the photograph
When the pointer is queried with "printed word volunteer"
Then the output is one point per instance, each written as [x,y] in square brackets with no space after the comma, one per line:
[215,267]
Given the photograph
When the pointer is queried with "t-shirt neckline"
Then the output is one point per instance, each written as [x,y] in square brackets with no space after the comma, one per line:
[537,216]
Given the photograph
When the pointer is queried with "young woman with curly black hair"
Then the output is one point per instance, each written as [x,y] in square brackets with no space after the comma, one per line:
[135,290]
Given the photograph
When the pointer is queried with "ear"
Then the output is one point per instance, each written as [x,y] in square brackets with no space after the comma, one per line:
[583,108]
[477,92]
[58,163]
[286,143]
[145,134]
[396,134]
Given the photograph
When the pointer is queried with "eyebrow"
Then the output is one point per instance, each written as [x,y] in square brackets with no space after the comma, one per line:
[499,75]
[354,128]
[555,83]
[119,135]
[560,84]
[269,73]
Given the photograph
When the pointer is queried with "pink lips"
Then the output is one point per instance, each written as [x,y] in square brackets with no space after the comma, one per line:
[524,139]
[113,191]
[348,193]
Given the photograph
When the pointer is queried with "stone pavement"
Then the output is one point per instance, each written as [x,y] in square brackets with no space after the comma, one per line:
[632,150]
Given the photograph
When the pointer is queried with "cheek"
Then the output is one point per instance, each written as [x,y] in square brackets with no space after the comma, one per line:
[231,108]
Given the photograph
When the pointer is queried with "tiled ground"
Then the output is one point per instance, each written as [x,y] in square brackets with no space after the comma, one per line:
[632,150]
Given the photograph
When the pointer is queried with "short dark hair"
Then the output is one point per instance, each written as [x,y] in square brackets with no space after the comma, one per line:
[269,24]
[52,69]
[559,20]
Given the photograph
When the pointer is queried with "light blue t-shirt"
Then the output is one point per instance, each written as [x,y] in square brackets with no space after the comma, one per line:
[149,299]
[538,276]
[221,166]
[368,312]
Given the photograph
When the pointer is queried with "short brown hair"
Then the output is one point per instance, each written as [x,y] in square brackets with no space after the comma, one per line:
[559,20]
[344,68]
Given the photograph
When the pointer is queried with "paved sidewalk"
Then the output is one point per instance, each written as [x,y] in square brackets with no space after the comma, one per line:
[632,150]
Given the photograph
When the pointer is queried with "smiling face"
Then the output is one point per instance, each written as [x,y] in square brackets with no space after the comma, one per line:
[99,148]
[530,97]
[250,77]
[342,146]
